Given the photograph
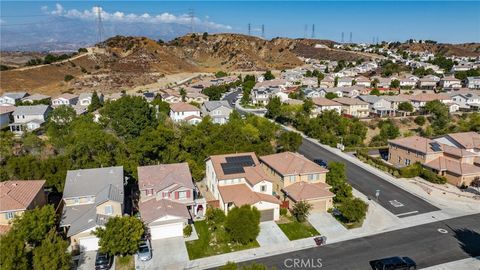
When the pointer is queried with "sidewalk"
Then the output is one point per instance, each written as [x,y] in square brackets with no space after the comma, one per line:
[465,264]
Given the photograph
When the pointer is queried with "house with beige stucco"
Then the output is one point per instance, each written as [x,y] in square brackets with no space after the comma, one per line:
[297,178]
[459,165]
[18,196]
[354,107]
[90,198]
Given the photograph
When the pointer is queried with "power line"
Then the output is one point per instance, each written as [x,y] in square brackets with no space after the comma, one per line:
[191,14]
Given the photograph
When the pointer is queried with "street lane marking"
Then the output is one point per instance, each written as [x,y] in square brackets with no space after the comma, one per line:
[407,213]
[396,203]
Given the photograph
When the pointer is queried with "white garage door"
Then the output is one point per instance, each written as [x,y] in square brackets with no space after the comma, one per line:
[166,230]
[88,243]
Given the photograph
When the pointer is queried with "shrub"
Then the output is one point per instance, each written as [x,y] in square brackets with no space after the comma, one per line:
[420,120]
[68,78]
[187,231]
[243,224]
[411,171]
[353,210]
[301,210]
[214,217]
[80,50]
[283,211]
[433,177]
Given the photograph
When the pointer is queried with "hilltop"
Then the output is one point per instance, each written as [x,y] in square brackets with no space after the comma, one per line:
[465,49]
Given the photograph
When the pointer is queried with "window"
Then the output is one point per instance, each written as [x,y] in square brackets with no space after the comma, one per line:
[292,178]
[182,195]
[312,177]
[76,201]
[9,215]
[399,159]
[263,188]
[407,162]
[108,209]
[165,194]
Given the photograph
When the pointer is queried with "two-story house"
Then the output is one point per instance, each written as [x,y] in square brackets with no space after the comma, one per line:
[325,104]
[238,179]
[353,107]
[298,179]
[90,198]
[168,199]
[466,100]
[328,82]
[396,100]
[10,98]
[363,81]
[85,99]
[6,115]
[450,82]
[182,111]
[18,196]
[378,105]
[36,98]
[473,82]
[219,110]
[29,118]
[65,99]
[428,82]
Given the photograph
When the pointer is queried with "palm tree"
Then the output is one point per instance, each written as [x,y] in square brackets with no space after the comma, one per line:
[301,210]
[183,93]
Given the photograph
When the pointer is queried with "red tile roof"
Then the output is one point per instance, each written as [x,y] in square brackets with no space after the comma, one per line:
[300,191]
[241,194]
[19,194]
[288,163]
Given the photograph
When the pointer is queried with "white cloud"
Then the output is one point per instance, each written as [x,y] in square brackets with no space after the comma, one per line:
[119,16]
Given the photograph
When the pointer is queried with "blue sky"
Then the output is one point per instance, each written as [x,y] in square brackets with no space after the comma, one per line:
[445,21]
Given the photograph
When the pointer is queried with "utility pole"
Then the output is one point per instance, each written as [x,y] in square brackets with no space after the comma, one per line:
[350,37]
[263,31]
[249,29]
[191,14]
[313,30]
[100,32]
[343,35]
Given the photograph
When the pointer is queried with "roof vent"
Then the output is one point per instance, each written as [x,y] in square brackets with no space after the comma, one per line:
[90,220]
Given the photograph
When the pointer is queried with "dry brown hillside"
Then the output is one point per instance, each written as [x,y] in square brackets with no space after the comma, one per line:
[466,49]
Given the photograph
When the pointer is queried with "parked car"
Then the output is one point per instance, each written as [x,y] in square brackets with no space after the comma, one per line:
[321,162]
[103,261]
[393,263]
[144,251]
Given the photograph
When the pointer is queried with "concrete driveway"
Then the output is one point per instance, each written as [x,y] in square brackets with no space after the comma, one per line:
[270,234]
[327,225]
[169,253]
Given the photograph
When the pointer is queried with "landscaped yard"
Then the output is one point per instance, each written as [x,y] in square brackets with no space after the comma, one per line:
[346,224]
[295,230]
[212,243]
[124,263]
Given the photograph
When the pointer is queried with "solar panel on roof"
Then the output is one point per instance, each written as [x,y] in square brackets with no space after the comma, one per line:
[435,147]
[232,168]
[242,160]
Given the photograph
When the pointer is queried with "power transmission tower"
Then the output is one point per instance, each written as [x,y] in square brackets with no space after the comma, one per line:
[191,14]
[313,30]
[249,29]
[100,32]
[263,31]
[350,37]
[343,35]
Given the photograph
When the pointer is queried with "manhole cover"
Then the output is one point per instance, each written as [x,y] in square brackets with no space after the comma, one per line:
[442,231]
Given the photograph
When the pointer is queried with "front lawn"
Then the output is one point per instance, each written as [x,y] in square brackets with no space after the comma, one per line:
[212,242]
[125,263]
[295,230]
[346,224]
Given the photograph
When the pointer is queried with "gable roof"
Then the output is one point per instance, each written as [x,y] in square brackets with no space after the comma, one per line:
[7,109]
[85,95]
[19,194]
[15,95]
[162,176]
[467,140]
[350,101]
[92,182]
[325,102]
[288,163]
[453,166]
[212,105]
[152,210]
[417,143]
[67,96]
[183,107]
[36,97]
[241,194]
[31,110]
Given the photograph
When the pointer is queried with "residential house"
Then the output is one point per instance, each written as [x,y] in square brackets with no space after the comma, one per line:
[219,111]
[261,96]
[457,165]
[363,81]
[469,141]
[314,92]
[18,196]
[90,198]
[36,98]
[396,100]
[65,99]
[450,82]
[324,104]
[353,107]
[323,92]
[328,82]
[113,96]
[466,100]
[420,100]
[29,118]
[473,82]
[378,105]
[428,82]
[185,112]
[171,98]
[168,199]
[463,66]
[298,179]
[10,98]
[409,82]
[6,115]
[85,99]
[238,179]
[196,96]
[344,81]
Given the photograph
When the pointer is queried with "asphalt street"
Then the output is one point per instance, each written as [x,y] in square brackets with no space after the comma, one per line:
[232,97]
[396,200]
[428,245]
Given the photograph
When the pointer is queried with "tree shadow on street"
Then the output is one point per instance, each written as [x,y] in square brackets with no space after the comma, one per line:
[468,240]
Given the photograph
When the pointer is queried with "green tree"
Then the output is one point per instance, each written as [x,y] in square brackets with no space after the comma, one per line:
[273,108]
[268,75]
[161,106]
[289,141]
[220,74]
[331,95]
[405,106]
[307,106]
[388,129]
[68,78]
[96,102]
[353,210]
[12,252]
[420,120]
[34,225]
[214,217]
[375,92]
[121,235]
[128,116]
[243,224]
[6,144]
[52,253]
[301,210]
[31,143]
[440,116]
[183,94]
[375,83]
[395,84]
[336,178]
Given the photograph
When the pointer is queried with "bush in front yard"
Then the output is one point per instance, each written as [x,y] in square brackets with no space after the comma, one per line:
[120,236]
[353,210]
[283,211]
[433,177]
[243,224]
[187,231]
[214,217]
[411,171]
[301,210]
